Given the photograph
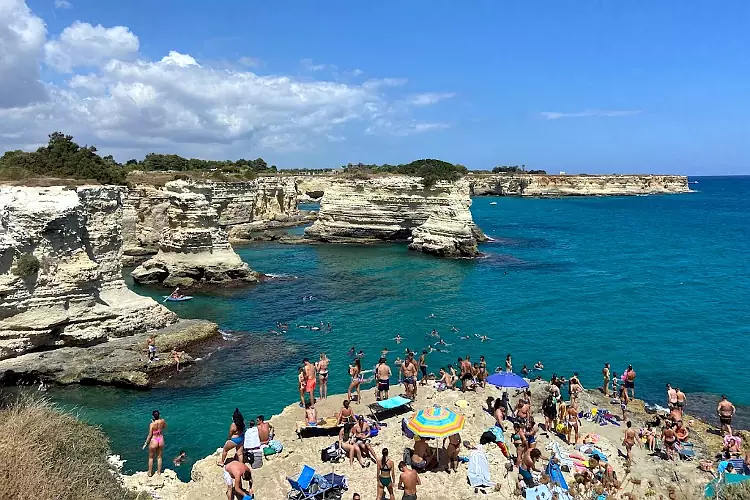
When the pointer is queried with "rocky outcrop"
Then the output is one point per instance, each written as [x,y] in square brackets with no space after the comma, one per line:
[312,187]
[446,233]
[123,361]
[575,185]
[60,273]
[242,208]
[193,249]
[392,208]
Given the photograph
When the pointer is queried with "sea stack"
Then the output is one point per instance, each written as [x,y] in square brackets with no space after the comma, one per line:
[60,272]
[436,219]
[193,249]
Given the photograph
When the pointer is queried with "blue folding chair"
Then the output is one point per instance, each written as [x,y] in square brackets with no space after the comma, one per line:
[305,488]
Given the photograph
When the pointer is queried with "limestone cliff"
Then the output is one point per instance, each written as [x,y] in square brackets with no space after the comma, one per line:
[575,185]
[242,208]
[392,208]
[60,271]
[193,249]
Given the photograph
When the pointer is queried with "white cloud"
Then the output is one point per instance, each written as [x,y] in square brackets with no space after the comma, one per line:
[429,98]
[63,4]
[174,103]
[250,62]
[309,65]
[554,115]
[22,36]
[84,45]
[357,72]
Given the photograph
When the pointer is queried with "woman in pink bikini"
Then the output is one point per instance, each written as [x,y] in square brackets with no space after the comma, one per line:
[155,442]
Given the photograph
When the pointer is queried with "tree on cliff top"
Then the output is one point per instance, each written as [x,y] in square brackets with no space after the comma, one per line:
[430,170]
[61,158]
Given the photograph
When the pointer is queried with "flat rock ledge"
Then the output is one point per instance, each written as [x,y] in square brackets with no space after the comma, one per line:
[121,361]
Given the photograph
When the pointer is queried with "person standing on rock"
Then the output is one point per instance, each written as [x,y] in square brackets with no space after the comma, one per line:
[151,346]
[155,442]
[355,371]
[234,472]
[310,379]
[408,481]
[322,367]
[509,364]
[423,366]
[726,411]
[629,441]
[630,381]
[671,397]
[681,399]
[383,377]
[605,379]
[409,371]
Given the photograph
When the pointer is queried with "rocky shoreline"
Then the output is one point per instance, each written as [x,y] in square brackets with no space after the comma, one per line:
[649,476]
[120,361]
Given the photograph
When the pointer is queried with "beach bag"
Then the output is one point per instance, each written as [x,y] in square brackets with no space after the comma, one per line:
[332,453]
[487,437]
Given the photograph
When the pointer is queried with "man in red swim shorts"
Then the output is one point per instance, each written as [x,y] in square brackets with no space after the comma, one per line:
[310,377]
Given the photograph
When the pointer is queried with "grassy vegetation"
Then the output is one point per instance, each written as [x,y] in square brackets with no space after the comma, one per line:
[47,453]
[430,170]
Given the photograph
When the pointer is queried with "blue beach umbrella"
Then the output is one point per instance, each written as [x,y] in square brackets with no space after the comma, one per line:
[507,380]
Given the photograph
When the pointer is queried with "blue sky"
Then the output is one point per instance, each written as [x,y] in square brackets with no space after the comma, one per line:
[580,86]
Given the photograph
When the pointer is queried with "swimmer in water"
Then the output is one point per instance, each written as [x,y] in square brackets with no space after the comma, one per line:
[431,316]
[315,328]
[442,342]
[361,354]
[482,337]
[398,338]
[454,329]
[434,333]
[384,352]
[539,366]
[431,349]
[465,337]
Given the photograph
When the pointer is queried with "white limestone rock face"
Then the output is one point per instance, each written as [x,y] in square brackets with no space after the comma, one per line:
[77,296]
[446,233]
[144,218]
[193,249]
[513,184]
[392,208]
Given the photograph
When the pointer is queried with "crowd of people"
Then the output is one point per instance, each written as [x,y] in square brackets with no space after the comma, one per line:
[561,416]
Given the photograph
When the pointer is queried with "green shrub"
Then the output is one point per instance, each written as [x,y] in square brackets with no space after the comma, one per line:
[26,265]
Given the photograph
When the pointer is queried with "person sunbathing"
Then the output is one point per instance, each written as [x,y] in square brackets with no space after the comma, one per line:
[423,458]
[732,445]
[649,437]
[345,414]
[346,443]
[681,432]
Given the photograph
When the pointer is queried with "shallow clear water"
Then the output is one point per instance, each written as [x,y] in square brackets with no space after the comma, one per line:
[662,282]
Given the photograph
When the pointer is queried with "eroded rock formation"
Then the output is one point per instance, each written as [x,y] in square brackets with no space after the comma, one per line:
[60,272]
[575,185]
[243,208]
[193,249]
[397,208]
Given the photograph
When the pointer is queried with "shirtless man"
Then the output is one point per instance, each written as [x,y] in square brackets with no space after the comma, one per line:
[311,415]
[522,412]
[383,374]
[398,338]
[573,424]
[415,364]
[322,367]
[446,381]
[408,481]
[310,379]
[409,371]
[528,464]
[466,374]
[361,433]
[234,472]
[671,397]
[726,411]
[423,457]
[681,399]
[629,441]
[265,430]
[605,379]
[423,367]
[630,381]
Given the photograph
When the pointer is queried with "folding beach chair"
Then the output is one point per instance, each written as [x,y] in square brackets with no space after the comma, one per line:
[304,487]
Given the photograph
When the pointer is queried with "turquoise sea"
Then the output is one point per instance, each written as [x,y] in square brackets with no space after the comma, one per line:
[662,282]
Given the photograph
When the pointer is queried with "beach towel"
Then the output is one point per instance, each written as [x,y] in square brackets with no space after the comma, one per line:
[543,492]
[555,475]
[405,429]
[394,402]
[479,470]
